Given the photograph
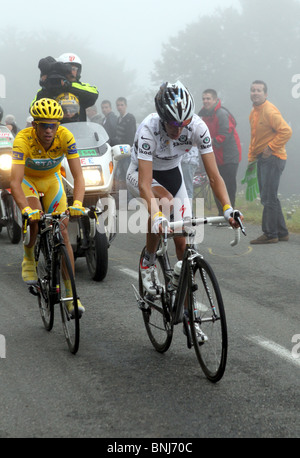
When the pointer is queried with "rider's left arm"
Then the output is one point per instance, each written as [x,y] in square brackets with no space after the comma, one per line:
[217,183]
[79,184]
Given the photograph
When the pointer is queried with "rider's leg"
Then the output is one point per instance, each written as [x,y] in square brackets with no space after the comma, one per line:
[166,205]
[29,274]
[55,199]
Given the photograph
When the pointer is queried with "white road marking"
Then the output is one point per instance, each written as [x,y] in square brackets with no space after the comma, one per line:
[259,340]
[131,273]
[275,348]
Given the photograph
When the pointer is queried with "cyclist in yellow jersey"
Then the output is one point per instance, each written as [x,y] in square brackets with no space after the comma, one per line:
[37,155]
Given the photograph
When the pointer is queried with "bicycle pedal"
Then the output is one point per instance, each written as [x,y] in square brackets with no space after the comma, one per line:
[142,305]
[159,290]
[33,290]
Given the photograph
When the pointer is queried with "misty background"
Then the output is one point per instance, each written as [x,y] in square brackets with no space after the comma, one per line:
[129,48]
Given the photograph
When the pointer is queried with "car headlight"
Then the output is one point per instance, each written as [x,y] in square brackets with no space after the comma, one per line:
[5,162]
[93,176]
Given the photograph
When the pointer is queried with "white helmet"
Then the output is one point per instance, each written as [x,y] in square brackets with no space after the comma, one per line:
[174,103]
[71,58]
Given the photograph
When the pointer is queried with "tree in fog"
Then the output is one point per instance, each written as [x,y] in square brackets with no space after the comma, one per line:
[229,49]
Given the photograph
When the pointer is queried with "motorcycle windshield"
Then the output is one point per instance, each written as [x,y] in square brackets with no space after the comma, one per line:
[91,138]
[6,138]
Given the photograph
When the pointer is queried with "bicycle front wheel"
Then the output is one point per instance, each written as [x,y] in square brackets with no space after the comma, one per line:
[156,314]
[207,320]
[45,300]
[68,300]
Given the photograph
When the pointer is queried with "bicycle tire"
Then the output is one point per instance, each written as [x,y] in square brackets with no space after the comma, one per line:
[157,316]
[206,309]
[70,322]
[43,263]
[14,231]
[97,253]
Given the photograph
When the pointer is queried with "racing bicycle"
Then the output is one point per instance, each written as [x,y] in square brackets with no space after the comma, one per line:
[53,267]
[196,301]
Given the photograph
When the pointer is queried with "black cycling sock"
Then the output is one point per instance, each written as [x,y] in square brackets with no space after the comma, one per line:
[149,259]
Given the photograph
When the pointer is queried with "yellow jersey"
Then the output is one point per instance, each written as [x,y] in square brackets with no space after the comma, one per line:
[38,162]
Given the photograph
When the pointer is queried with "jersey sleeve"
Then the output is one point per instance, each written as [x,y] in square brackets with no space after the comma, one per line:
[20,150]
[145,145]
[70,148]
[202,138]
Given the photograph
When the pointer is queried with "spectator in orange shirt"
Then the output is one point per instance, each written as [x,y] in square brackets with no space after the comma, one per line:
[269,134]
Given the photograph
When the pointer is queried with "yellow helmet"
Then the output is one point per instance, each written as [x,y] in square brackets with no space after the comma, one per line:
[46,109]
[70,104]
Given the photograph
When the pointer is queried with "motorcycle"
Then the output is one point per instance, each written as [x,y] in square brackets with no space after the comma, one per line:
[10,215]
[91,238]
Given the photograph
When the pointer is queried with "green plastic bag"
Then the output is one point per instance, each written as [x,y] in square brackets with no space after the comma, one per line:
[250,179]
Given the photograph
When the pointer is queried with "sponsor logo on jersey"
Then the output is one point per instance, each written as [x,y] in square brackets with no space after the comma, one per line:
[17,156]
[72,149]
[55,206]
[142,151]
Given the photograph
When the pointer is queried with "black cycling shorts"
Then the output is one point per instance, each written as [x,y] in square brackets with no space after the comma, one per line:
[169,179]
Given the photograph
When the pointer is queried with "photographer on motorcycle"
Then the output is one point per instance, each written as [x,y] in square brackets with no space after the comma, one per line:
[63,75]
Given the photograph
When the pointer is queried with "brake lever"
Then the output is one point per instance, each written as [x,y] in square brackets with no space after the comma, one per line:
[236,217]
[165,235]
[25,219]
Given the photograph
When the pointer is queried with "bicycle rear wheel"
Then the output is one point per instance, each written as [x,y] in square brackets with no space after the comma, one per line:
[70,321]
[43,261]
[156,315]
[206,310]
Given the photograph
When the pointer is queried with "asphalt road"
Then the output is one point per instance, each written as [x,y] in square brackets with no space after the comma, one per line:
[118,386]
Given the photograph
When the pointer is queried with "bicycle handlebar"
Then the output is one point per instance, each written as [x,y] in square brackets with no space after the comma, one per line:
[211,220]
[90,212]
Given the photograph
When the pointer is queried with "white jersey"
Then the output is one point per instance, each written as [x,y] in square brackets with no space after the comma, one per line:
[151,142]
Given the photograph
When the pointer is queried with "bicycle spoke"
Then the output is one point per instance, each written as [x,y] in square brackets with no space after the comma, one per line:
[207,317]
[42,258]
[68,298]
[156,317]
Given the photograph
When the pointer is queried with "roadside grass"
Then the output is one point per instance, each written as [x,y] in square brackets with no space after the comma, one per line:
[252,211]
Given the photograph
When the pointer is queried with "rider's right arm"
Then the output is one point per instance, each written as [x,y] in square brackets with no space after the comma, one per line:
[20,151]
[17,175]
[145,186]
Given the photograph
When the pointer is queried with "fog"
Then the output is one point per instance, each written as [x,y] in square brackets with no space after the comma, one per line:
[128,48]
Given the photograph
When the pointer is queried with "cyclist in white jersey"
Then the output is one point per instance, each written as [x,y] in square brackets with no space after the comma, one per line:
[155,171]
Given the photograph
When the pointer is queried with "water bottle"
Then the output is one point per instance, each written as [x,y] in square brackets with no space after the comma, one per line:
[176,273]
